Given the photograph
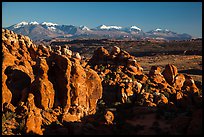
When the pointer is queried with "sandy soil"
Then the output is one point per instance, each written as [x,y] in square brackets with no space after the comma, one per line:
[186,64]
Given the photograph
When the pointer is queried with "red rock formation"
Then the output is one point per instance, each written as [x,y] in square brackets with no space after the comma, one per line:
[60,73]
[34,119]
[86,89]
[94,85]
[109,117]
[179,81]
[41,87]
[100,56]
[157,78]
[169,73]
[54,80]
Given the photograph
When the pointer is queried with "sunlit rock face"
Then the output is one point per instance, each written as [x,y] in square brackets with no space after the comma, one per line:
[38,76]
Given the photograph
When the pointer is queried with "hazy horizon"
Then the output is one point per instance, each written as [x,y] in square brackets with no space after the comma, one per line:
[180,17]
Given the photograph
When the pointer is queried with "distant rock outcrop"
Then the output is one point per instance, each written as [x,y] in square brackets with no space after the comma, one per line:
[124,81]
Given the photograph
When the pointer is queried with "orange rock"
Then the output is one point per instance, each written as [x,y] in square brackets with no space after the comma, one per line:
[142,78]
[135,70]
[70,118]
[79,88]
[6,93]
[94,86]
[189,82]
[17,60]
[183,100]
[100,56]
[48,118]
[123,95]
[128,89]
[59,74]
[154,71]
[169,73]
[8,107]
[163,100]
[33,51]
[138,87]
[109,117]
[115,50]
[179,81]
[34,119]
[42,88]
[17,81]
[149,103]
[156,77]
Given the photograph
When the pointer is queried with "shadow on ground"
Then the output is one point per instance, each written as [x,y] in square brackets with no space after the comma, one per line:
[192,71]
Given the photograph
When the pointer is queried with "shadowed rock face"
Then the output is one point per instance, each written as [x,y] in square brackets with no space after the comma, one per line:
[17,81]
[169,73]
[41,87]
[59,73]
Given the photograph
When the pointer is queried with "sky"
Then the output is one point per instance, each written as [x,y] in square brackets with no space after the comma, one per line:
[180,17]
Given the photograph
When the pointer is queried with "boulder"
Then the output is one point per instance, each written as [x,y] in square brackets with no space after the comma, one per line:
[169,73]
[95,90]
[179,81]
[100,56]
[109,117]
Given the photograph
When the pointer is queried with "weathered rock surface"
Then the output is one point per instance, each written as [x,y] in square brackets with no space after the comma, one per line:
[46,78]
[34,119]
[41,87]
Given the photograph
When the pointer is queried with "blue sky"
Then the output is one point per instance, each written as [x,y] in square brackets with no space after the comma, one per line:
[181,17]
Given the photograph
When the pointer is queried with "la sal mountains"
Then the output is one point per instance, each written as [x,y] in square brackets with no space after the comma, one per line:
[48,30]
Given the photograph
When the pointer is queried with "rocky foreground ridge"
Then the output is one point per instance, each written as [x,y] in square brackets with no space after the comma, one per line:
[51,90]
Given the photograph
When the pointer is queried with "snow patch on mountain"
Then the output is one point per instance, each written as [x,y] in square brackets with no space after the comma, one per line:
[52,28]
[158,29]
[23,23]
[49,24]
[34,23]
[109,27]
[84,28]
[135,28]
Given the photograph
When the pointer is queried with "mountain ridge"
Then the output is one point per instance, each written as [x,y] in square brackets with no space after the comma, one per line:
[49,30]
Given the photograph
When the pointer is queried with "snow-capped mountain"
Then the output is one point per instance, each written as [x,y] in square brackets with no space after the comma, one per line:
[49,30]
[104,27]
[21,24]
[84,28]
[33,23]
[132,29]
[49,24]
[135,28]
[167,34]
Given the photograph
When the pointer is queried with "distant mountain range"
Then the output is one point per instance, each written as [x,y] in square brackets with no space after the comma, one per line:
[48,30]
